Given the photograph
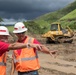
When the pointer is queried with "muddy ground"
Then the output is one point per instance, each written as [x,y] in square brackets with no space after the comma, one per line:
[63,64]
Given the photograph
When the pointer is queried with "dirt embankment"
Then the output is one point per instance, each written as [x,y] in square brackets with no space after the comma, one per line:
[63,64]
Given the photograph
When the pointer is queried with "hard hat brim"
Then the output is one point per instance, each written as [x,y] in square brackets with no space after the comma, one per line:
[18,31]
[4,34]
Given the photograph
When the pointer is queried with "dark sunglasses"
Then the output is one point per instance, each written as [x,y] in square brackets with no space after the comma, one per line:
[21,33]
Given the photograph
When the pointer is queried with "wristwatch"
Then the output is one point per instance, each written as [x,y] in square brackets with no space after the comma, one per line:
[28,45]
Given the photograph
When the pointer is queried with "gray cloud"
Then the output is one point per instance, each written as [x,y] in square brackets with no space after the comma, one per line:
[29,9]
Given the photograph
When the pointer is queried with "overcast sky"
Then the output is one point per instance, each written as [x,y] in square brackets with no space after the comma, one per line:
[29,9]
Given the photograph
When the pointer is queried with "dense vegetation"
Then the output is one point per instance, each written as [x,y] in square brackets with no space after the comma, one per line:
[34,27]
[69,19]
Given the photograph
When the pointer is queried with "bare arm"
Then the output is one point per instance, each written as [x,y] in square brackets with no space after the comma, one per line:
[16,46]
[43,48]
[46,50]
[23,45]
[12,68]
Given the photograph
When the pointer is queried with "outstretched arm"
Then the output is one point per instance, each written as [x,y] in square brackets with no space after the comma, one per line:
[46,50]
[23,45]
[16,46]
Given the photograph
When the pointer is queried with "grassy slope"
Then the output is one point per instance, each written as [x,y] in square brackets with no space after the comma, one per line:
[70,16]
[10,28]
[42,23]
[69,19]
[53,16]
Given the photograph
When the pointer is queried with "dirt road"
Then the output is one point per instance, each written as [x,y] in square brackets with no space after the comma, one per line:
[63,64]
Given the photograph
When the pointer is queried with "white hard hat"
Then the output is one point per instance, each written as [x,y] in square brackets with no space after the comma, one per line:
[19,28]
[4,30]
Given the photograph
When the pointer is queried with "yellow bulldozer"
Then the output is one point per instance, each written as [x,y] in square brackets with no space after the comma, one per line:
[58,34]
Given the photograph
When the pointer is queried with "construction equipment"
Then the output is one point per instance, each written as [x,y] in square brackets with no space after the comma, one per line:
[58,34]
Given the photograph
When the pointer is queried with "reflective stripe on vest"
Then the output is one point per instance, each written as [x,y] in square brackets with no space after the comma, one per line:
[2,63]
[25,59]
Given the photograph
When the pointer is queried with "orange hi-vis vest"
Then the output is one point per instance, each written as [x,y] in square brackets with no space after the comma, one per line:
[28,59]
[3,64]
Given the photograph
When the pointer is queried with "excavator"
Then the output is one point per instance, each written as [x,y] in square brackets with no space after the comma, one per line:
[58,34]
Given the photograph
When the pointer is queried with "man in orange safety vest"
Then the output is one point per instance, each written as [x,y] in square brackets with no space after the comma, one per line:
[25,60]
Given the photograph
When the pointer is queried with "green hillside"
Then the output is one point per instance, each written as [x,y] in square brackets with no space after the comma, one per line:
[53,16]
[36,26]
[69,20]
[42,23]
[70,16]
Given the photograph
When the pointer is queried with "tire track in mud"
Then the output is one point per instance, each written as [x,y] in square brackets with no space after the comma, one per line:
[57,65]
